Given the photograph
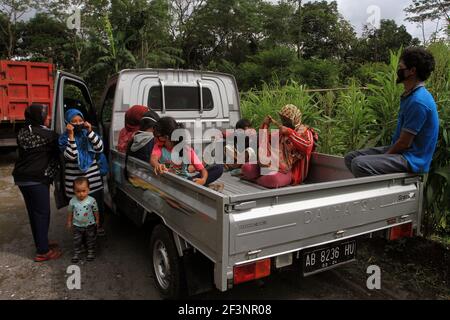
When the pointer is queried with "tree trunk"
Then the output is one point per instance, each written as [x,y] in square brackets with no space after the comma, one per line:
[10,45]
[299,39]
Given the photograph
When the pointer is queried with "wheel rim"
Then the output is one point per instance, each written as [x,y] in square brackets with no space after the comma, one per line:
[161,264]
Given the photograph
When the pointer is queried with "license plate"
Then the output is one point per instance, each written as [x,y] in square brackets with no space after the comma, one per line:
[327,257]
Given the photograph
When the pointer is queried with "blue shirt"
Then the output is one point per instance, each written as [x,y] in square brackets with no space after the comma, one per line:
[418,115]
[83,211]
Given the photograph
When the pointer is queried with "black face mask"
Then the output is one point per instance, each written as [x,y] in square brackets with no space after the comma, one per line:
[401,75]
[78,128]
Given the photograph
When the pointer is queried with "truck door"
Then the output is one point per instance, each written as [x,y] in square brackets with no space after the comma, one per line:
[71,92]
[105,118]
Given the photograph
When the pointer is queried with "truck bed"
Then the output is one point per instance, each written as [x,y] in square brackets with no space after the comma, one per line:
[234,185]
[324,168]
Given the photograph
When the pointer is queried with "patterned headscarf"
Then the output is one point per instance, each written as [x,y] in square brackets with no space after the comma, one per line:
[293,113]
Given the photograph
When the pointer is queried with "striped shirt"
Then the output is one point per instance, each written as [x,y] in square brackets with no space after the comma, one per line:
[73,171]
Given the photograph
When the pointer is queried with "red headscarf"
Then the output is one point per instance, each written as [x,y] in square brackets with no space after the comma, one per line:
[132,121]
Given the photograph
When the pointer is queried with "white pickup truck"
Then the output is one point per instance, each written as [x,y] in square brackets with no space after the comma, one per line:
[201,238]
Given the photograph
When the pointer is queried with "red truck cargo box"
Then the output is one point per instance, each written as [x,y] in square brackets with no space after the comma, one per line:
[23,83]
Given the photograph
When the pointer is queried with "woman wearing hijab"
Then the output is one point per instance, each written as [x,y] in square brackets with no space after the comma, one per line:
[132,123]
[81,145]
[296,143]
[33,173]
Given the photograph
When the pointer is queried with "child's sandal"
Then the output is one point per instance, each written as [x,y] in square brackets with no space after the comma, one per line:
[75,258]
[90,256]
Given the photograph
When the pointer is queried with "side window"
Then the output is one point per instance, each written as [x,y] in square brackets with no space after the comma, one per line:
[75,95]
[180,98]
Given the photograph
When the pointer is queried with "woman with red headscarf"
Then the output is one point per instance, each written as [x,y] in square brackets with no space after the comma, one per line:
[132,122]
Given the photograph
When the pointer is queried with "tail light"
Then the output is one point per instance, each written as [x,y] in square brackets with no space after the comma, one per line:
[401,231]
[252,271]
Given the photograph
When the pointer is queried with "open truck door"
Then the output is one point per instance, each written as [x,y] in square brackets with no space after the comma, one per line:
[105,120]
[70,92]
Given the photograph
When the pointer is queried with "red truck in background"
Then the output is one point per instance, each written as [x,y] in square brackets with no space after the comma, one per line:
[21,84]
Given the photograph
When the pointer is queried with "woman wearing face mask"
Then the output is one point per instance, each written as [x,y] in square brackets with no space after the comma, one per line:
[33,174]
[81,145]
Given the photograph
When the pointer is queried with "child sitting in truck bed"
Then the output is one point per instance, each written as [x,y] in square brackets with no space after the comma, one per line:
[141,145]
[242,137]
[161,159]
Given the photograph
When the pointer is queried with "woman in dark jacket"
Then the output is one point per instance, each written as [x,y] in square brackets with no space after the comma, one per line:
[33,174]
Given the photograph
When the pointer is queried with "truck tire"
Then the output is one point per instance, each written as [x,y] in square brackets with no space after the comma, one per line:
[167,267]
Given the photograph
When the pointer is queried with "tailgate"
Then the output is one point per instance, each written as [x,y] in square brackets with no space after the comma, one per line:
[313,216]
[21,84]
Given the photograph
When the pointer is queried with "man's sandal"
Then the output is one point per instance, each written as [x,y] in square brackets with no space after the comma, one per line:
[52,254]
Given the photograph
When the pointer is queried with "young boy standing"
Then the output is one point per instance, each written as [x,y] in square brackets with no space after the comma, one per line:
[83,219]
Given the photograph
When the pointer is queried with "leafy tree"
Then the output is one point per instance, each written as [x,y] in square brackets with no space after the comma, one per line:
[146,25]
[280,65]
[317,73]
[376,43]
[3,43]
[277,23]
[221,30]
[12,11]
[44,37]
[114,54]
[89,28]
[429,10]
[324,33]
[267,66]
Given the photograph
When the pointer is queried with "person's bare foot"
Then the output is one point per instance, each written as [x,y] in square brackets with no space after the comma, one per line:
[217,186]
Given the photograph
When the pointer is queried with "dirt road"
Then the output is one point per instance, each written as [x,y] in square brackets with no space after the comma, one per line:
[122,268]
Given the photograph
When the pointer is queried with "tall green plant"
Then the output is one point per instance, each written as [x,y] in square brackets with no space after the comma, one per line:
[384,100]
[437,181]
[356,121]
[258,104]
[328,141]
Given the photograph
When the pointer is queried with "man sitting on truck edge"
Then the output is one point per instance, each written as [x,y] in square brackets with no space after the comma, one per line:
[415,138]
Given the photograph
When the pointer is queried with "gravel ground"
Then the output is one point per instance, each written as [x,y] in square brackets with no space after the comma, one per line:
[122,268]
